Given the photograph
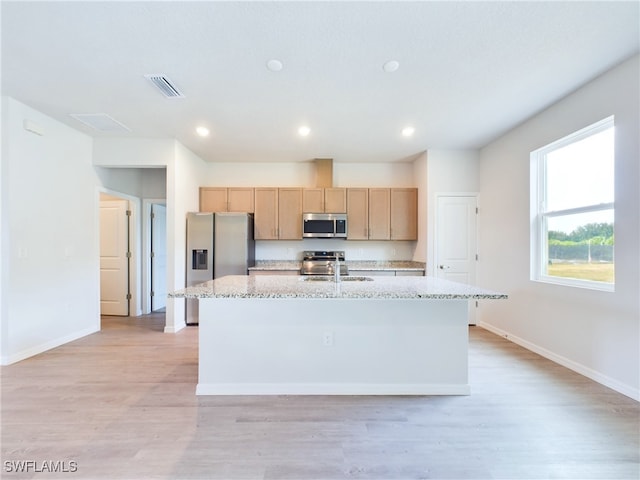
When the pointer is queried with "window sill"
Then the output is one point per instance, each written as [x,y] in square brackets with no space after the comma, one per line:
[574,282]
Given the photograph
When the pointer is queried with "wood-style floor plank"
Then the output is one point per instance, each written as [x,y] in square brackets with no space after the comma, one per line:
[121,404]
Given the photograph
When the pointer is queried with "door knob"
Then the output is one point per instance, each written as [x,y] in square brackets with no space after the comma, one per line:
[443,267]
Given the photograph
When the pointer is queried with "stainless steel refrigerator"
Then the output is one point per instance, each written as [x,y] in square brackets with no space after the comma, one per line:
[218,244]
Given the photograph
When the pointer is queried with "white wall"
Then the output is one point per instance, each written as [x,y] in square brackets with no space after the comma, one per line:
[157,161]
[138,182]
[184,174]
[132,152]
[421,182]
[50,257]
[448,172]
[593,332]
[302,174]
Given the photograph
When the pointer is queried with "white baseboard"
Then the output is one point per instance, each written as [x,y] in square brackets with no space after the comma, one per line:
[565,362]
[43,347]
[174,328]
[329,389]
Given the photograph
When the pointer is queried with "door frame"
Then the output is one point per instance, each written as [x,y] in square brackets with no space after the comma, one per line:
[146,251]
[134,247]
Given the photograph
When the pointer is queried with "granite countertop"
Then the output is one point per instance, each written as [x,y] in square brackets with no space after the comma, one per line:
[265,265]
[279,286]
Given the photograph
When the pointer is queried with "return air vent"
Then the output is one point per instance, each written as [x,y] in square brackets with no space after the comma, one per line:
[165,86]
[101,122]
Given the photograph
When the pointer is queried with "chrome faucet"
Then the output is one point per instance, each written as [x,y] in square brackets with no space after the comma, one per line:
[336,270]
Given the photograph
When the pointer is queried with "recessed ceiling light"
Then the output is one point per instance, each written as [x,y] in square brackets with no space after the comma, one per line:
[274,65]
[391,66]
[304,131]
[408,131]
[202,131]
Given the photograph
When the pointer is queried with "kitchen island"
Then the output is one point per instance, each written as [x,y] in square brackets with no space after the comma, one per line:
[308,335]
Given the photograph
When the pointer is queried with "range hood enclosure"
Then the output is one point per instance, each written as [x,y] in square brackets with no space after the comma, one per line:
[324,172]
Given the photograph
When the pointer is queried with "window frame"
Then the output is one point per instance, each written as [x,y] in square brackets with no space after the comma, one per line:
[540,216]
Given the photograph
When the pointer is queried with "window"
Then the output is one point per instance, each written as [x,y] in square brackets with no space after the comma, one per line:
[572,209]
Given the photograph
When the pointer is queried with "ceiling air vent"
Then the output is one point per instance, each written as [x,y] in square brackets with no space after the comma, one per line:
[101,122]
[165,86]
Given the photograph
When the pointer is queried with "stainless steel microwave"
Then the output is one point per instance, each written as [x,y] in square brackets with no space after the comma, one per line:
[324,225]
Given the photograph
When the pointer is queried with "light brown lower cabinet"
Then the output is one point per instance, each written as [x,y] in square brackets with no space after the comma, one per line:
[386,273]
[256,273]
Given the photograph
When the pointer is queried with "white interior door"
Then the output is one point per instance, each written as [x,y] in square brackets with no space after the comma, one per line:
[158,256]
[456,252]
[114,261]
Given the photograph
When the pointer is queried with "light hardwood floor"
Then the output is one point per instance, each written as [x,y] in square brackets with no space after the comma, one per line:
[121,404]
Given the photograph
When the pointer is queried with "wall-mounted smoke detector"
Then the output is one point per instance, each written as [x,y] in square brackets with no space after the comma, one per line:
[165,85]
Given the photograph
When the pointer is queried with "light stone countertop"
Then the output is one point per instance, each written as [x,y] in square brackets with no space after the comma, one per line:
[408,265]
[279,286]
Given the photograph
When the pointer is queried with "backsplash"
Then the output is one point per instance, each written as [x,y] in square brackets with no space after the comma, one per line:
[354,250]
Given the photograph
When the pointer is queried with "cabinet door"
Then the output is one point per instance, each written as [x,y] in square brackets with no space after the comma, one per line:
[404,214]
[266,214]
[290,213]
[357,213]
[213,199]
[313,200]
[379,214]
[335,200]
[240,199]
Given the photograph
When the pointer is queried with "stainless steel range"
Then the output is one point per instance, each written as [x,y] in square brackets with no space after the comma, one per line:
[323,263]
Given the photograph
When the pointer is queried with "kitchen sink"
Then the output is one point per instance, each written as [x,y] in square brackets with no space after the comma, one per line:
[330,278]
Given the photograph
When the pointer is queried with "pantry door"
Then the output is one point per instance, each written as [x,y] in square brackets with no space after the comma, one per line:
[114,257]
[456,238]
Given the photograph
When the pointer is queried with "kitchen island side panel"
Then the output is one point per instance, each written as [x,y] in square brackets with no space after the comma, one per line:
[263,346]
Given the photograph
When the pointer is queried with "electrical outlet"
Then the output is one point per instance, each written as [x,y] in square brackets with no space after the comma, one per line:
[327,339]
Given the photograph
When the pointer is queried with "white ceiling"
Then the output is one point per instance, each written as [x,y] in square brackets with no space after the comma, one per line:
[468,72]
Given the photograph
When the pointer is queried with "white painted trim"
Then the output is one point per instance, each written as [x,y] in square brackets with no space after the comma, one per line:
[43,347]
[330,389]
[174,328]
[565,362]
[146,251]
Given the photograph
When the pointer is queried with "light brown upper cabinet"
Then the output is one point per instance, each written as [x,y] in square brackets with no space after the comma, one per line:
[379,214]
[358,213]
[266,214]
[404,214]
[222,199]
[324,200]
[290,213]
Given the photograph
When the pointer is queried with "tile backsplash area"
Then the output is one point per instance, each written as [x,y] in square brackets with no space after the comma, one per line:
[354,250]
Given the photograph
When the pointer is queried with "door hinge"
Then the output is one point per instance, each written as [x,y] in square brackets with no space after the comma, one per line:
[153,215]
[476,257]
[128,254]
[152,255]
[128,296]
[476,210]
[152,294]
[128,213]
